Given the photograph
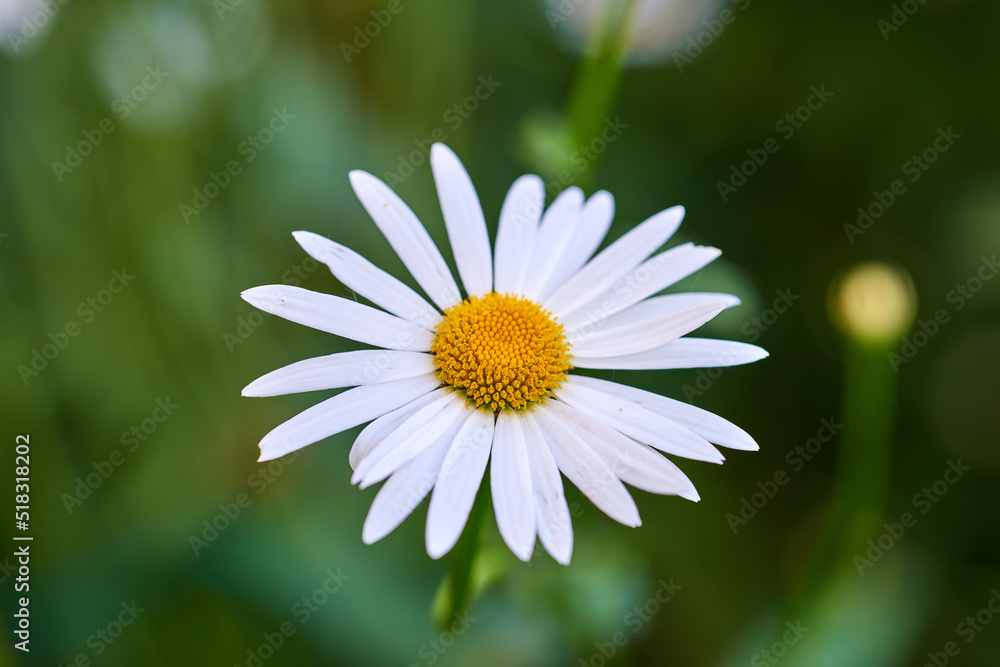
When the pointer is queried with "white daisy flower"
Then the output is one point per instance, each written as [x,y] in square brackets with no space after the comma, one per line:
[488,377]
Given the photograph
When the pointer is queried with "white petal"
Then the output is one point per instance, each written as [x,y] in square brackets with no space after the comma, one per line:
[650,277]
[402,492]
[586,469]
[343,411]
[627,336]
[634,463]
[647,310]
[373,438]
[709,426]
[554,235]
[594,222]
[344,369]
[463,217]
[594,320]
[554,525]
[361,276]
[519,216]
[637,422]
[458,481]
[680,353]
[342,317]
[417,433]
[381,428]
[510,482]
[407,237]
[615,261]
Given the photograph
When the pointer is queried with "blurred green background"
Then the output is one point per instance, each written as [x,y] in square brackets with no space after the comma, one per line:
[118,122]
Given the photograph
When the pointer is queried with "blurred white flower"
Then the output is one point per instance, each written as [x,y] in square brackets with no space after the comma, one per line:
[23,22]
[198,47]
[658,27]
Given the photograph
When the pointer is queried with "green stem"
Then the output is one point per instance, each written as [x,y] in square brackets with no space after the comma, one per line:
[866,448]
[863,467]
[458,585]
[596,85]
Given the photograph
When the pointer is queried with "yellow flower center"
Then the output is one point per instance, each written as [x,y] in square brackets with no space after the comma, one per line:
[503,351]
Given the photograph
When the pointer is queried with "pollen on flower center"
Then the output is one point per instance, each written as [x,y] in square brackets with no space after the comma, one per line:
[503,351]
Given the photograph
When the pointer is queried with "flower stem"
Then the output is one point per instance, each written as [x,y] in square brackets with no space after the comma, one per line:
[596,85]
[866,448]
[865,457]
[457,588]
[863,467]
